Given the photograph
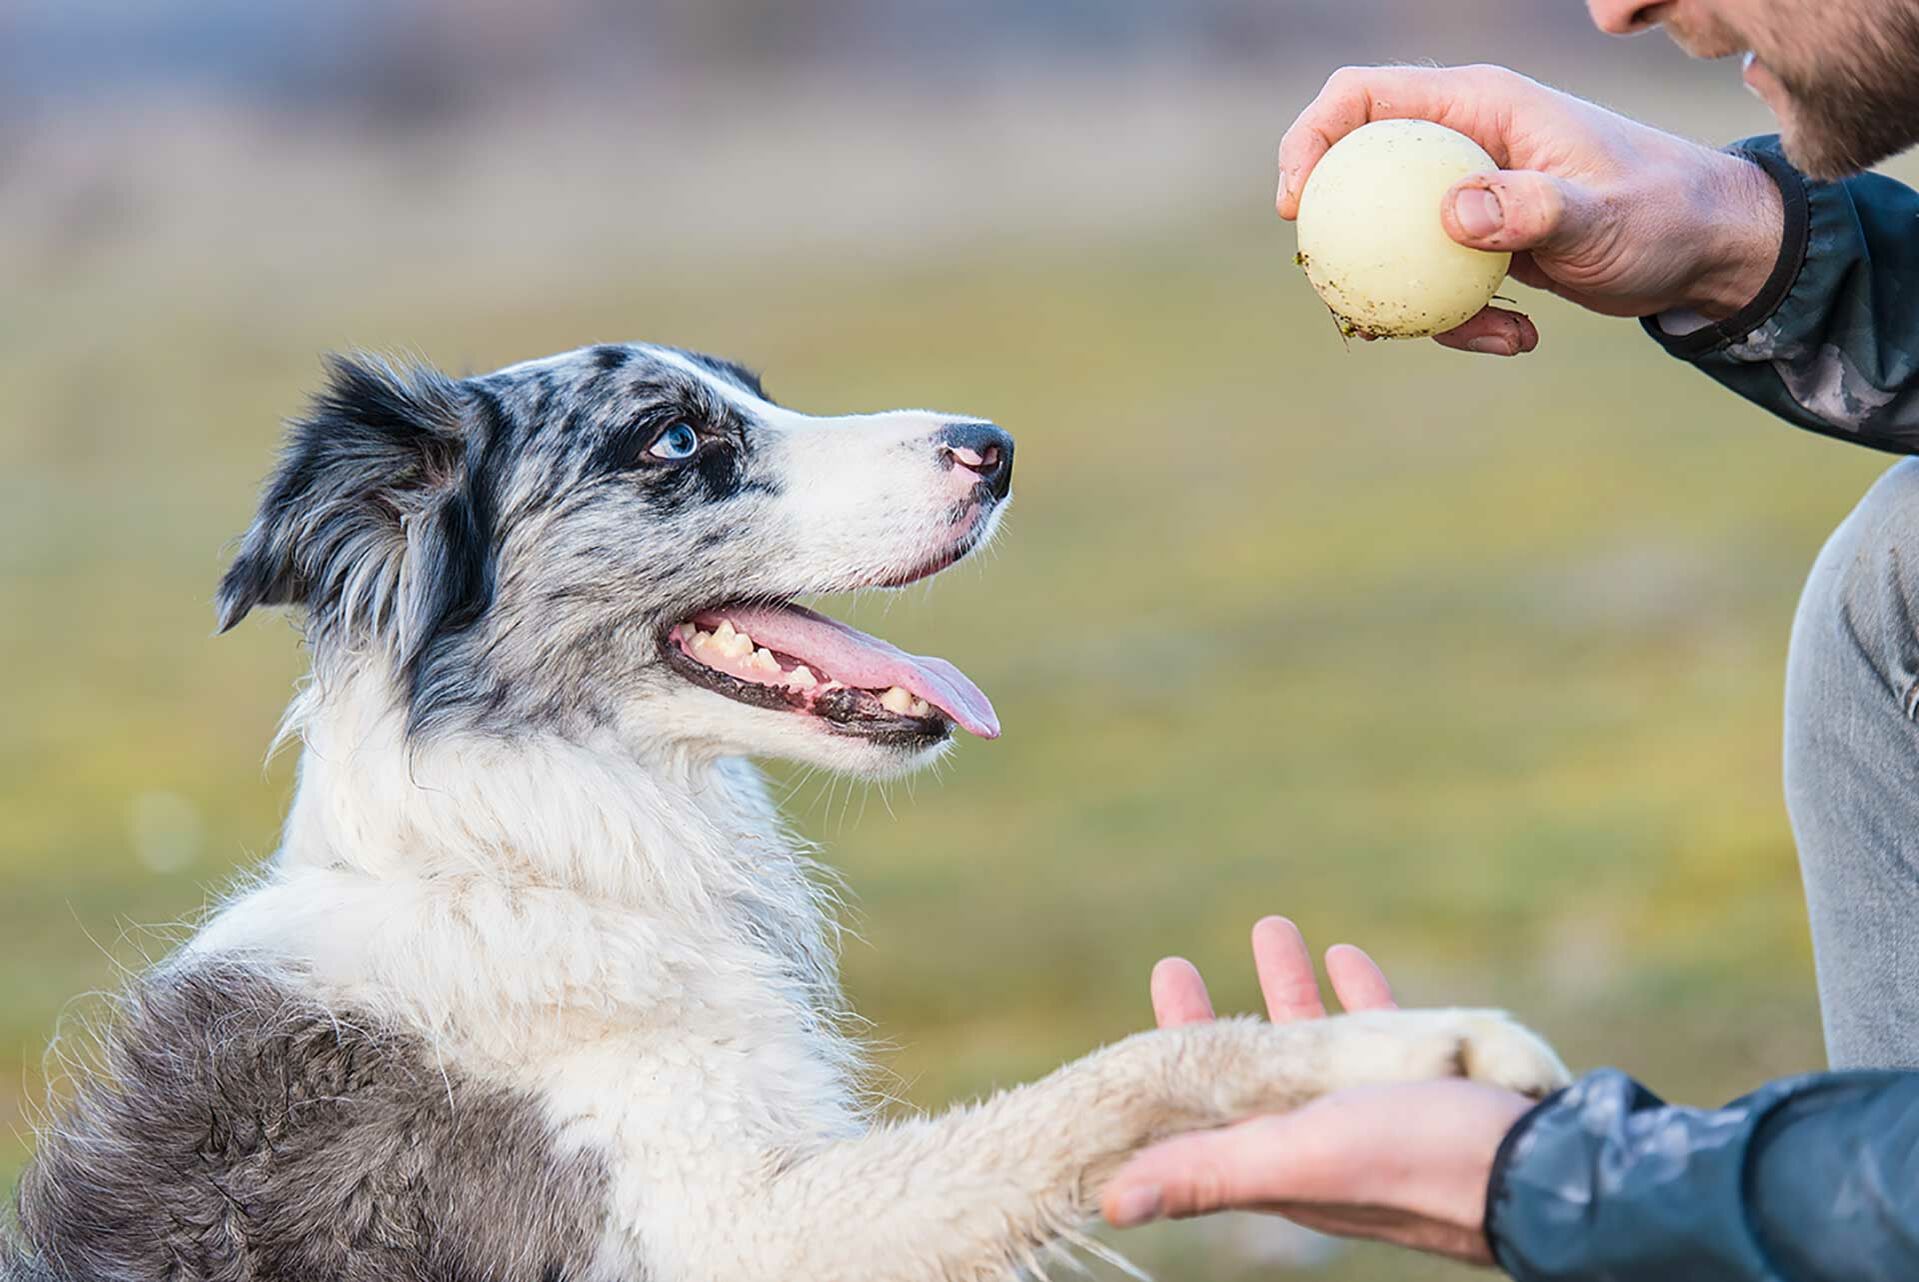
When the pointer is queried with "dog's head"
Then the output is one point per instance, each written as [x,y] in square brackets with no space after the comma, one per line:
[611,540]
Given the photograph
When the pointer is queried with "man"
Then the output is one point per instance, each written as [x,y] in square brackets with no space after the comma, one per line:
[1797,288]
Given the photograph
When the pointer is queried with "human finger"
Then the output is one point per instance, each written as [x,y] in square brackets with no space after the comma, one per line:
[1357,979]
[1179,994]
[1518,209]
[1197,1174]
[1285,967]
[1473,100]
[1494,331]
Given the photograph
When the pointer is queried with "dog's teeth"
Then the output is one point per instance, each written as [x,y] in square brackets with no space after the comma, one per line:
[920,708]
[701,639]
[730,641]
[763,661]
[897,699]
[802,678]
[686,631]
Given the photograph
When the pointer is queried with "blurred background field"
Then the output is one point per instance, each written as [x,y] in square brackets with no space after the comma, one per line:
[1475,663]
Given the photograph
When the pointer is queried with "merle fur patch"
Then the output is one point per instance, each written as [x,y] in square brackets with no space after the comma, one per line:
[400,494]
[240,1132]
[373,518]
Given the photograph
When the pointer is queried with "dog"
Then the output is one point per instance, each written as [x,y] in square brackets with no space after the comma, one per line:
[538,986]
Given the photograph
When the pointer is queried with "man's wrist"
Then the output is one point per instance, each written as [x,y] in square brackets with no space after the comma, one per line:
[1746,214]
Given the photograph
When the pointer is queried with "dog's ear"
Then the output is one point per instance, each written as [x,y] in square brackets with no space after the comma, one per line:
[371,522]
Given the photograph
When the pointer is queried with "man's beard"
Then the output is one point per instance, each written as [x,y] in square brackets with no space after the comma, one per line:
[1838,129]
[1849,69]
[1859,109]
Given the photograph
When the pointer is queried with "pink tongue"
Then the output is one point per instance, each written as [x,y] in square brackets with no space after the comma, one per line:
[848,655]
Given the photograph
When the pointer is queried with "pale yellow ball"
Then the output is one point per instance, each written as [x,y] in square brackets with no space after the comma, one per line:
[1370,236]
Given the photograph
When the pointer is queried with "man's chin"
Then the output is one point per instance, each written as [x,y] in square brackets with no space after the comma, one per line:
[1837,118]
[1827,150]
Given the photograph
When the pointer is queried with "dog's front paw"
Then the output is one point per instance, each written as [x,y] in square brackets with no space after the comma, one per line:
[1417,1045]
[1505,1053]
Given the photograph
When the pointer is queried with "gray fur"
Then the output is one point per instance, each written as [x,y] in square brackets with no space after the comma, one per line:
[238,1132]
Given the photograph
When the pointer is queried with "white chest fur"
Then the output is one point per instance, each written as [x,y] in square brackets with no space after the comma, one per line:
[639,947]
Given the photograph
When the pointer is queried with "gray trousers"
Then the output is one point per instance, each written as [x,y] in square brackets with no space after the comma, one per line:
[1852,773]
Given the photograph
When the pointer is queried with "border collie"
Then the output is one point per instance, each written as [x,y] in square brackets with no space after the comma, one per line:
[537,986]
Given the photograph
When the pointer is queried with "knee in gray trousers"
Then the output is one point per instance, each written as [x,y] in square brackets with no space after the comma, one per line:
[1852,773]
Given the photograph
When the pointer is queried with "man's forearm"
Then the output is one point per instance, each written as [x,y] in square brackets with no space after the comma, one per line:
[1808,1180]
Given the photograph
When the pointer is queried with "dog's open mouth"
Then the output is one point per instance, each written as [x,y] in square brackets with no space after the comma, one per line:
[787,657]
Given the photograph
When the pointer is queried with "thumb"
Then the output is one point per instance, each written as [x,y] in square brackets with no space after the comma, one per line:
[1194,1175]
[1516,209]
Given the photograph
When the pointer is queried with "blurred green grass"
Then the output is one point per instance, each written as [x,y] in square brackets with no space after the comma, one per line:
[1476,663]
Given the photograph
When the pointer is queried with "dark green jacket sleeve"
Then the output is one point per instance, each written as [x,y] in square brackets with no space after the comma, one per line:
[1811,1179]
[1832,341]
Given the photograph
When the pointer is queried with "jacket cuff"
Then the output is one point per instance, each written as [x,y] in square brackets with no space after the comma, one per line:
[1693,344]
[1605,1182]
[1498,1195]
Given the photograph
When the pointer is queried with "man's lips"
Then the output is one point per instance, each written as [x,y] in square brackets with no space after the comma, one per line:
[1760,79]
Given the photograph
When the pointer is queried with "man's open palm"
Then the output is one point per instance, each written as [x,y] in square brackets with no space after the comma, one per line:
[1400,1164]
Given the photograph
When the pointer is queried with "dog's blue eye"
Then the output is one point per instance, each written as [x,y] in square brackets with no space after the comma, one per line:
[676,442]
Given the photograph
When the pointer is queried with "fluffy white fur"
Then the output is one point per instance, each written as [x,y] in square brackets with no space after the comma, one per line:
[639,944]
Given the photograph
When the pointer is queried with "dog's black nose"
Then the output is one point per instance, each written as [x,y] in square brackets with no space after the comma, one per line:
[982,449]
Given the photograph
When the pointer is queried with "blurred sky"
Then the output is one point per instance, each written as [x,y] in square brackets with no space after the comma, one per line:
[429,55]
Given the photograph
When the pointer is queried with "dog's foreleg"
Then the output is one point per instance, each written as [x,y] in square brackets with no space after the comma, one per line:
[977,1193]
